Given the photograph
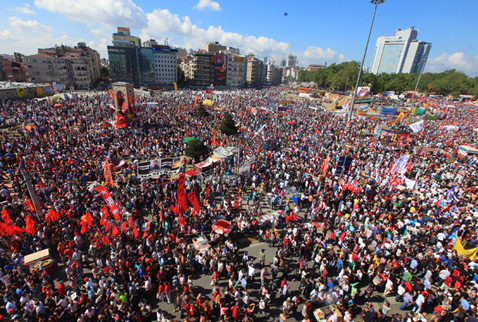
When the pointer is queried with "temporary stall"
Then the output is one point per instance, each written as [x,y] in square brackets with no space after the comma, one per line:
[467,150]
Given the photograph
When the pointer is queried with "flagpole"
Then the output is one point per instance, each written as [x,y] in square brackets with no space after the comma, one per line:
[376,3]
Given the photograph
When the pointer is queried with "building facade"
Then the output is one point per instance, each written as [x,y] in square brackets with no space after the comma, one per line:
[291,61]
[124,35]
[202,73]
[124,64]
[256,71]
[400,53]
[165,65]
[236,70]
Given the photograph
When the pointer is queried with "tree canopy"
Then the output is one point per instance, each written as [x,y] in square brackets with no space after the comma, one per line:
[195,149]
[343,76]
[228,126]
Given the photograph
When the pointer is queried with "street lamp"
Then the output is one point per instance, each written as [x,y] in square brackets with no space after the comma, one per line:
[376,3]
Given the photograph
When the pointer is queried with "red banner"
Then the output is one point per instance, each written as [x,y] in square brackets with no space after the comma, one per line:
[194,200]
[183,201]
[214,133]
[181,182]
[107,174]
[109,200]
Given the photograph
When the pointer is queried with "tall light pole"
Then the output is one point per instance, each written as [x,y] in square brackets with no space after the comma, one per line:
[376,3]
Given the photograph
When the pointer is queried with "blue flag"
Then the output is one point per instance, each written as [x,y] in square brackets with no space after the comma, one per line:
[294,199]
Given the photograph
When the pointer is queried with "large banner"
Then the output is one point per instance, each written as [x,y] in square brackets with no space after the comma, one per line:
[158,167]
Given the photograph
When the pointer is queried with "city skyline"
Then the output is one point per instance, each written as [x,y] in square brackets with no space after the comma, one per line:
[317,32]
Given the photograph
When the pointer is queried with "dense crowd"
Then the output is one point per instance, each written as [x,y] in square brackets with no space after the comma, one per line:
[345,236]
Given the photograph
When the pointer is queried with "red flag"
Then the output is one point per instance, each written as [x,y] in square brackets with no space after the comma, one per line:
[6,217]
[207,192]
[105,240]
[114,231]
[28,204]
[124,226]
[39,187]
[183,201]
[194,201]
[29,225]
[106,224]
[84,228]
[130,221]
[70,161]
[209,90]
[135,232]
[7,229]
[89,219]
[107,174]
[173,209]
[161,216]
[181,220]
[120,120]
[52,215]
[105,211]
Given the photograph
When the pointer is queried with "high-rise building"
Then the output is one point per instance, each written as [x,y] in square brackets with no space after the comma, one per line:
[69,67]
[202,73]
[236,70]
[124,64]
[400,53]
[291,60]
[256,71]
[124,35]
[273,74]
[165,65]
[215,48]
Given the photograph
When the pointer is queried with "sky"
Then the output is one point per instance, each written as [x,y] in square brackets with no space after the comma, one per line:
[317,31]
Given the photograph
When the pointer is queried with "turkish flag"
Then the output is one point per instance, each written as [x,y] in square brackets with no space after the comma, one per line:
[209,90]
[124,226]
[135,232]
[120,120]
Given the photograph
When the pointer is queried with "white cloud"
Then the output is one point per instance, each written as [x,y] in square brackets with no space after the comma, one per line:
[458,61]
[317,55]
[109,12]
[204,4]
[25,9]
[162,22]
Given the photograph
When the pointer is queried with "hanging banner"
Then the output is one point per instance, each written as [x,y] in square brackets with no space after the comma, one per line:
[157,167]
[183,201]
[20,92]
[181,182]
[38,91]
[107,174]
[108,199]
[192,197]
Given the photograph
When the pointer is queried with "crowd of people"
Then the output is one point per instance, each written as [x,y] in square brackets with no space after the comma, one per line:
[375,228]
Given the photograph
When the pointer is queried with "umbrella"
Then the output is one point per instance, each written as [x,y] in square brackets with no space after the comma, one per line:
[192,173]
[186,140]
[222,227]
[290,122]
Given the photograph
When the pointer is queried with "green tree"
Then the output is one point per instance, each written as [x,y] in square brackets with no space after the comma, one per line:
[181,76]
[228,126]
[201,111]
[195,149]
[104,72]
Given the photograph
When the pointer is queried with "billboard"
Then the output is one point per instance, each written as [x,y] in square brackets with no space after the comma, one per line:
[219,62]
[157,167]
[238,59]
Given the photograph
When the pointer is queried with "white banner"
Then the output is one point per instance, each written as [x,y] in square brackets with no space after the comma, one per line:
[409,183]
[417,127]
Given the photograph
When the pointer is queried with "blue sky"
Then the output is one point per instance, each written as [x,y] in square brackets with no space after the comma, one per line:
[317,31]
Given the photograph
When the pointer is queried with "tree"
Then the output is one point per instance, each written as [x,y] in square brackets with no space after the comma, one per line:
[181,76]
[201,111]
[104,72]
[195,149]
[228,126]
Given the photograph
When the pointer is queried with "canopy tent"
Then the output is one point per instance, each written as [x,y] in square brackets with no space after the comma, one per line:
[208,102]
[224,152]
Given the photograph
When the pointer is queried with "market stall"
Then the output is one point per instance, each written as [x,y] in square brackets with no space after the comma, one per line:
[40,261]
